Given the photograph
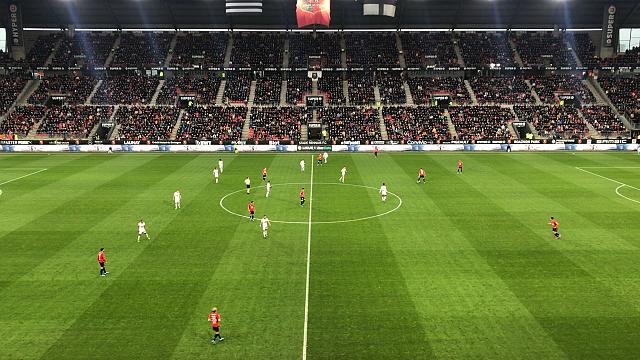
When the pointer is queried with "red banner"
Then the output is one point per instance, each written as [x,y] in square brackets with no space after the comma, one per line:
[313,12]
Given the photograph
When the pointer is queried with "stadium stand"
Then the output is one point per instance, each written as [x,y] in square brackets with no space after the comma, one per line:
[21,120]
[85,49]
[554,121]
[371,49]
[257,49]
[142,49]
[501,90]
[76,88]
[548,86]
[331,85]
[624,93]
[480,48]
[298,84]
[73,122]
[584,48]
[268,88]
[216,123]
[543,49]
[146,122]
[604,120]
[361,86]
[237,87]
[481,122]
[391,86]
[325,45]
[200,50]
[41,50]
[126,89]
[204,88]
[423,87]
[11,87]
[277,123]
[428,49]
[421,123]
[349,123]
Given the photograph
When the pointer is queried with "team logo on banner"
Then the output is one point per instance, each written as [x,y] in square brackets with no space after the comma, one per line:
[313,12]
[610,26]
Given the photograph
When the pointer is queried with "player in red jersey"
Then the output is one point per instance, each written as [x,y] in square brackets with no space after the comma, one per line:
[264,174]
[302,197]
[101,260]
[421,176]
[375,152]
[554,227]
[252,210]
[459,167]
[214,319]
[320,159]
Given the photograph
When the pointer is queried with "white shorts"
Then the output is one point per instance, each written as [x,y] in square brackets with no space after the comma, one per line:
[384,194]
[142,231]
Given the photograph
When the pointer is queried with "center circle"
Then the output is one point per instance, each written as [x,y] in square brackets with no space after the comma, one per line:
[275,190]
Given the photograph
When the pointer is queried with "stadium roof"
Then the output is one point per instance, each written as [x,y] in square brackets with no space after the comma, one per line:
[346,14]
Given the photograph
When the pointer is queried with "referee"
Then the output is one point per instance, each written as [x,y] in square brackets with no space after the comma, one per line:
[101,260]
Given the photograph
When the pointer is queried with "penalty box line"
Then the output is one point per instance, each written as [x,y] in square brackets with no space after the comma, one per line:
[22,177]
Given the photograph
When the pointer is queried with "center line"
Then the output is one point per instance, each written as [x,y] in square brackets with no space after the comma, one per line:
[306,298]
[23,176]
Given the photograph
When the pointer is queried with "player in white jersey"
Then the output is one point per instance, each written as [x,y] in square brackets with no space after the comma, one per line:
[264,225]
[142,230]
[268,188]
[383,192]
[302,165]
[176,199]
[221,165]
[247,183]
[216,174]
[325,156]
[343,173]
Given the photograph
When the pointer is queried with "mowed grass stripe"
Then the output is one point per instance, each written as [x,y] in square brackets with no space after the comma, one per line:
[359,304]
[72,270]
[467,310]
[131,278]
[61,223]
[563,294]
[257,284]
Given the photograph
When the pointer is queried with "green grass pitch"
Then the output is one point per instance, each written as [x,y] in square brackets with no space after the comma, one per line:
[465,268]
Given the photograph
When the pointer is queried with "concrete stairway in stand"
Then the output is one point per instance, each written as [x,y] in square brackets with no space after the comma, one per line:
[252,93]
[383,127]
[285,54]
[376,94]
[116,45]
[407,93]
[450,126]
[345,91]
[172,46]
[304,133]
[472,93]
[593,133]
[516,54]
[176,128]
[25,94]
[594,92]
[220,94]
[228,51]
[401,58]
[458,52]
[246,128]
[93,92]
[283,93]
[343,54]
[154,98]
[34,131]
[533,92]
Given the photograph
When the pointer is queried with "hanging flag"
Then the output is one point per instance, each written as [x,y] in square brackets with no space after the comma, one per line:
[244,7]
[313,12]
[380,7]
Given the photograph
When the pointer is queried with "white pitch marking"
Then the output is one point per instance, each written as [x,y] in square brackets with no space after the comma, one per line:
[306,296]
[612,180]
[23,176]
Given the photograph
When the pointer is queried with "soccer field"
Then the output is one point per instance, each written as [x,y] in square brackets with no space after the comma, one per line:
[462,267]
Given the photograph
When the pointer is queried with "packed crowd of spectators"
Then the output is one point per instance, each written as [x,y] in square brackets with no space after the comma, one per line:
[604,120]
[325,45]
[361,86]
[543,49]
[501,90]
[421,123]
[238,85]
[42,49]
[268,88]
[142,50]
[624,92]
[481,122]
[73,121]
[11,87]
[630,57]
[126,89]
[84,49]
[391,86]
[212,123]
[422,88]
[371,49]
[584,48]
[278,123]
[21,120]
[204,88]
[547,87]
[555,122]
[486,48]
[76,88]
[146,123]
[298,84]
[428,49]
[200,49]
[331,84]
[350,123]
[257,49]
